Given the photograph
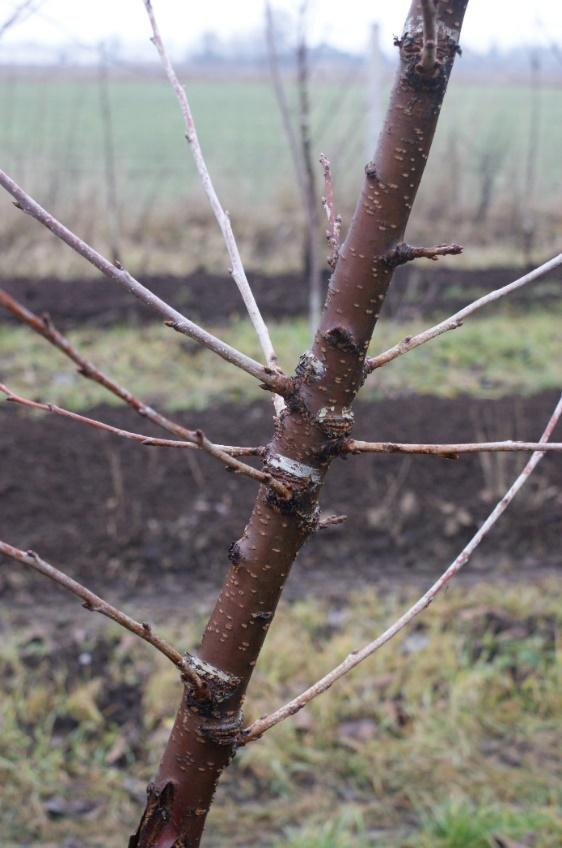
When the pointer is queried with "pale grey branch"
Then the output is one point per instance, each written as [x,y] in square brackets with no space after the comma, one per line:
[172,317]
[448,450]
[222,217]
[456,320]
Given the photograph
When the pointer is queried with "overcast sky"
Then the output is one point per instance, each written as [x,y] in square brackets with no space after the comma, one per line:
[501,22]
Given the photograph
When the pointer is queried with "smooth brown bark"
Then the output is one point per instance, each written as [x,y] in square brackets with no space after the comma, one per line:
[308,436]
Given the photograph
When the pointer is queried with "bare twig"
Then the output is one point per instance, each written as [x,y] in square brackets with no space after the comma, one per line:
[94,603]
[456,320]
[106,115]
[282,101]
[404,252]
[300,148]
[222,217]
[197,439]
[448,451]
[331,521]
[333,230]
[45,328]
[272,380]
[259,727]
[529,222]
[313,263]
[429,63]
[20,13]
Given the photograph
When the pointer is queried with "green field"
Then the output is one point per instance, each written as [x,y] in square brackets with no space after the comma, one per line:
[57,125]
[489,357]
[51,139]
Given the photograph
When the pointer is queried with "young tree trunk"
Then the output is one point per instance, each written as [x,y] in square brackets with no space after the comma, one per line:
[307,438]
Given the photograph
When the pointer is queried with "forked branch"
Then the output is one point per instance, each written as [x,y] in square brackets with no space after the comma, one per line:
[259,727]
[456,320]
[92,602]
[450,451]
[225,453]
[222,217]
[272,380]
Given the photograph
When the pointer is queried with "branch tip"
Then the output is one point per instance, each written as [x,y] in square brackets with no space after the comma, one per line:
[404,252]
[331,521]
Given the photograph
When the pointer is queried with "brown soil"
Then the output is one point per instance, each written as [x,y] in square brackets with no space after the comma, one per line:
[115,512]
[211,299]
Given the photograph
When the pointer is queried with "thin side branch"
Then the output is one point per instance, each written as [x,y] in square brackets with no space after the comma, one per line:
[333,230]
[259,727]
[273,381]
[45,328]
[429,63]
[456,320]
[299,141]
[197,440]
[20,13]
[404,252]
[282,101]
[92,602]
[312,254]
[448,451]
[222,217]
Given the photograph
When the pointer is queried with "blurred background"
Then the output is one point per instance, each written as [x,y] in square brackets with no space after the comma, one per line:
[448,737]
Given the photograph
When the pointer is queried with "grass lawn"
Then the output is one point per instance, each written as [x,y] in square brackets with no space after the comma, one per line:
[446,738]
[488,357]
